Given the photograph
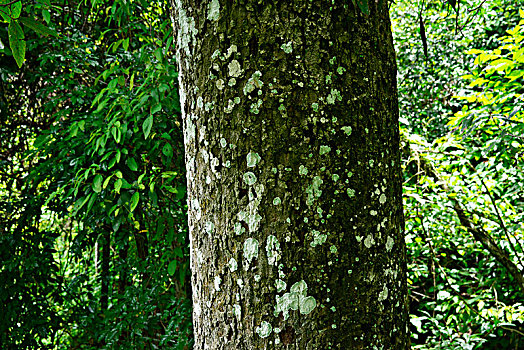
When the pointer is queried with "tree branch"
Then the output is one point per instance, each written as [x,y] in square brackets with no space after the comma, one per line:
[9,3]
[478,233]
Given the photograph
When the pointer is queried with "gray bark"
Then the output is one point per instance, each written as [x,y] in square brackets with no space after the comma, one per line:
[293,165]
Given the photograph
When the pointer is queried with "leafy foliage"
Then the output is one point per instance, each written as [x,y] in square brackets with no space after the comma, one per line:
[102,157]
[462,175]
[93,231]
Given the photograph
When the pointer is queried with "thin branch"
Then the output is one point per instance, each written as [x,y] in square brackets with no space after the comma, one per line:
[446,279]
[478,233]
[502,224]
[9,3]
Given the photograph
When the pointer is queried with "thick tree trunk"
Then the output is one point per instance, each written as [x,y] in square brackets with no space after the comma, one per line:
[294,188]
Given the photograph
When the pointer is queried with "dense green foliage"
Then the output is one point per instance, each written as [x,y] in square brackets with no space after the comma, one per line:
[93,231]
[93,238]
[462,134]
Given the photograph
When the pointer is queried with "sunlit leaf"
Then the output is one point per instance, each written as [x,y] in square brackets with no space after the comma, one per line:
[146,126]
[17,42]
[134,201]
[131,163]
[97,183]
[106,182]
[118,185]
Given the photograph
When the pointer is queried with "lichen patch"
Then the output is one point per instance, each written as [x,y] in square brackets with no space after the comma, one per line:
[250,250]
[213,10]
[313,191]
[233,265]
[234,69]
[252,159]
[272,250]
[264,330]
[249,178]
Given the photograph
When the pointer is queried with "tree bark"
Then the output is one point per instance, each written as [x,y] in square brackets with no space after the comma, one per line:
[293,165]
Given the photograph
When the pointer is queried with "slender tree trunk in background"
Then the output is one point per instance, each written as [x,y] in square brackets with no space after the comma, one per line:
[123,271]
[142,249]
[293,165]
[104,275]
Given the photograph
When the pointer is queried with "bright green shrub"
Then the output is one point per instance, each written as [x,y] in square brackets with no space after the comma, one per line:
[461,296]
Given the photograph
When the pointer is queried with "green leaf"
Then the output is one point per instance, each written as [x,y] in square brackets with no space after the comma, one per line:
[97,183]
[4,14]
[131,163]
[118,185]
[159,228]
[156,108]
[16,9]
[134,201]
[171,268]
[115,131]
[170,234]
[92,201]
[167,150]
[181,191]
[73,131]
[117,222]
[106,182]
[80,203]
[116,45]
[178,252]
[132,81]
[362,5]
[101,105]
[158,54]
[146,126]
[47,16]
[37,26]
[125,44]
[17,42]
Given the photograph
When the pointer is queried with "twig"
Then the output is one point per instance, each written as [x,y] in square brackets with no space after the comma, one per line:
[446,280]
[502,224]
[9,3]
[478,233]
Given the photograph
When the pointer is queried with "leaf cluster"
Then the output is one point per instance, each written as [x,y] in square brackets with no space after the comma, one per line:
[92,184]
[463,184]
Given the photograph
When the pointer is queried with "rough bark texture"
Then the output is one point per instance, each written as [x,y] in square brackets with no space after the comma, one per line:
[294,190]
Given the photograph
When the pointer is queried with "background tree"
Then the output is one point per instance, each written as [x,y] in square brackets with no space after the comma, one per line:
[293,160]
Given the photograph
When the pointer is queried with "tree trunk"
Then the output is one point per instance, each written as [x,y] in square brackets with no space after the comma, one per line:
[294,182]
[104,275]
